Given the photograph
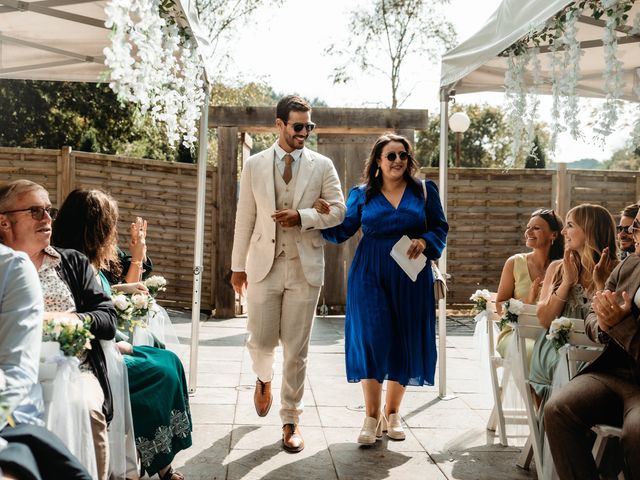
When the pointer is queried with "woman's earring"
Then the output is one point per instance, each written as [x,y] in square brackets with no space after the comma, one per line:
[377,172]
[552,241]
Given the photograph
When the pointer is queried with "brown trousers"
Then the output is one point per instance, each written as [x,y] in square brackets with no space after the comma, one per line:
[587,400]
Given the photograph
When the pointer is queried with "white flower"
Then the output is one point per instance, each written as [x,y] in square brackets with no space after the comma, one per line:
[562,323]
[87,344]
[121,302]
[140,301]
[481,294]
[57,329]
[516,306]
[3,381]
[155,281]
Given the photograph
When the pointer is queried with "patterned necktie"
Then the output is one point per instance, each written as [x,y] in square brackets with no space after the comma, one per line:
[287,174]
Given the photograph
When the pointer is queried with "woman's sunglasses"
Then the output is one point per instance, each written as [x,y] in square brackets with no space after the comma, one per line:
[404,156]
[37,213]
[297,127]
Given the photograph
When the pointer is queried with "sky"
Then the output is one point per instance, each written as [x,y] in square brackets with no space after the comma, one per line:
[286,50]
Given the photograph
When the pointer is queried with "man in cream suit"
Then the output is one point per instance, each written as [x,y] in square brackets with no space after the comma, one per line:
[278,256]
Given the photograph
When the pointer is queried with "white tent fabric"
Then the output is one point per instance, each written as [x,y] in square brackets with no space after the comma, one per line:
[63,40]
[474,65]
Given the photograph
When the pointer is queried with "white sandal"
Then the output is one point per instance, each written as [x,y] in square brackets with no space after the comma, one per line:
[371,430]
[393,426]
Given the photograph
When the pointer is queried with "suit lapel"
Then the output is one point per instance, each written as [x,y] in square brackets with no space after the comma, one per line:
[266,169]
[304,175]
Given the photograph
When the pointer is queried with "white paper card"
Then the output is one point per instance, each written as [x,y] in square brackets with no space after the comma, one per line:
[411,267]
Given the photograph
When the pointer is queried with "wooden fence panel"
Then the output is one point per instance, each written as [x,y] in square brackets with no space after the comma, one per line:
[487,209]
[163,193]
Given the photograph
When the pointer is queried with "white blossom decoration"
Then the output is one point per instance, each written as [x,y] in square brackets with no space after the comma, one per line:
[154,63]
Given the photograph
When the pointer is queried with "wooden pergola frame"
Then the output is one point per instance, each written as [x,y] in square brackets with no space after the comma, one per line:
[360,125]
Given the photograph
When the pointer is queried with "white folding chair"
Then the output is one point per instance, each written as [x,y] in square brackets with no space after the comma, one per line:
[528,327]
[583,350]
[499,417]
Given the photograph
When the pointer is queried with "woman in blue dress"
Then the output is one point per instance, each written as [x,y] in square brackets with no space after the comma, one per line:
[390,320]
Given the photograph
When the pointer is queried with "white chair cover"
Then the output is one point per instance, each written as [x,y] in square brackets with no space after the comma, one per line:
[141,337]
[122,446]
[161,326]
[481,346]
[513,389]
[68,414]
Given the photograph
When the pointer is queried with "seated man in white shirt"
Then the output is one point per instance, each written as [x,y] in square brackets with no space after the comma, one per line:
[27,451]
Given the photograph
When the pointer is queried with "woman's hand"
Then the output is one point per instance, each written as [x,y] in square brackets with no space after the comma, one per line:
[608,312]
[138,241]
[137,287]
[602,269]
[534,292]
[569,269]
[125,348]
[418,245]
[322,206]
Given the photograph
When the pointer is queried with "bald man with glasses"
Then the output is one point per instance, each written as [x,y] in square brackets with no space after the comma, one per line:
[278,256]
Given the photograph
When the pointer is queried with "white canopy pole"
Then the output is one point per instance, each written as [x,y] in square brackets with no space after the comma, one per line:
[203,143]
[442,263]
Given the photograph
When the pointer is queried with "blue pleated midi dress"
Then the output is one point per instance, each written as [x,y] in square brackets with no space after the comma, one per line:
[390,320]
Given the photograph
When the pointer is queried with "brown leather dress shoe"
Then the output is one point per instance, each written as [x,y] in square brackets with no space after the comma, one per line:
[262,397]
[292,438]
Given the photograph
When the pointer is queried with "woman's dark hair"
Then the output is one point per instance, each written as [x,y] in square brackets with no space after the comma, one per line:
[87,222]
[555,224]
[373,183]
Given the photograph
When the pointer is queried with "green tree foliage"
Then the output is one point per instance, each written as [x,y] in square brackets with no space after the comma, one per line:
[536,157]
[388,34]
[486,144]
[627,158]
[85,116]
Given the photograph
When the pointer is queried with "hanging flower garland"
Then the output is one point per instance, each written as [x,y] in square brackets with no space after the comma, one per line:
[559,36]
[516,98]
[153,63]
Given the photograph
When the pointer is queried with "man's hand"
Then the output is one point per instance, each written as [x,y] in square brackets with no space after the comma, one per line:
[607,309]
[286,217]
[239,282]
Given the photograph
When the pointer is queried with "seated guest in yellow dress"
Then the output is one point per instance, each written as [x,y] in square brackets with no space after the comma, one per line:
[522,273]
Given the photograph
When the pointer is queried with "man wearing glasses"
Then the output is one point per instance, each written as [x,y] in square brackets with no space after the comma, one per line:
[625,234]
[278,256]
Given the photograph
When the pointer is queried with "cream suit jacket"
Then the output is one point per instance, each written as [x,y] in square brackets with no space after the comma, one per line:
[255,231]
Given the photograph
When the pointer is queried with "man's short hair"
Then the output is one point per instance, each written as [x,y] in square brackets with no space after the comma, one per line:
[291,103]
[12,190]
[630,210]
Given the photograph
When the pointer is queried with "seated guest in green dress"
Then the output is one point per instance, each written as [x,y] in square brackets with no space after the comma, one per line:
[569,284]
[522,273]
[157,385]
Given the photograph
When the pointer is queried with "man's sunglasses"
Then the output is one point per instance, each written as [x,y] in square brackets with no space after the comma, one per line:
[297,127]
[37,213]
[629,228]
[403,156]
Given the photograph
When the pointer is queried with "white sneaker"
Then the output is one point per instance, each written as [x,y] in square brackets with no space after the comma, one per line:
[371,430]
[393,426]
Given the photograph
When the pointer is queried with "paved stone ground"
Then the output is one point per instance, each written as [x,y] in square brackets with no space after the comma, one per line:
[446,439]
